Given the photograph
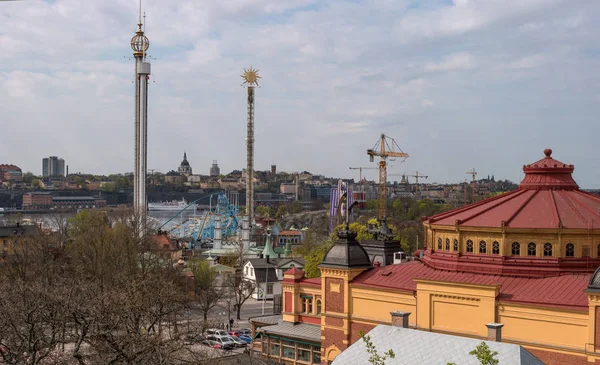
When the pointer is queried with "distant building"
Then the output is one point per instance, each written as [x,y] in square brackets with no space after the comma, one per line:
[185,168]
[274,169]
[214,169]
[53,166]
[172,177]
[292,236]
[10,173]
[81,202]
[37,200]
[11,237]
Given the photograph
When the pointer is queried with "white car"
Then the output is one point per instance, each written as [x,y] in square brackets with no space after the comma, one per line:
[216,332]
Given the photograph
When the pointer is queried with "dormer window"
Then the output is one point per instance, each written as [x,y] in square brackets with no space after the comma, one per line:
[470,246]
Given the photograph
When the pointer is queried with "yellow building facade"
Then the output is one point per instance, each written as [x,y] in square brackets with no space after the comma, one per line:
[519,268]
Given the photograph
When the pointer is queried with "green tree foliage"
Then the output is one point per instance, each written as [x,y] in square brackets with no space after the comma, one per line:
[36,183]
[28,177]
[207,289]
[296,207]
[374,357]
[314,259]
[264,211]
[484,354]
[281,211]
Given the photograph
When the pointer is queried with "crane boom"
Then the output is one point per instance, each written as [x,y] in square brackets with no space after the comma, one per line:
[384,150]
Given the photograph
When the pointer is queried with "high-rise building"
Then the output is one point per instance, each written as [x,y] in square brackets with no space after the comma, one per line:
[53,167]
[274,169]
[214,169]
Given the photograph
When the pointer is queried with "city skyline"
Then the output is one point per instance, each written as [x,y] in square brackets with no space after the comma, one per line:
[469,84]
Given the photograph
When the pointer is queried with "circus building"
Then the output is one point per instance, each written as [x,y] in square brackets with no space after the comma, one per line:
[518,268]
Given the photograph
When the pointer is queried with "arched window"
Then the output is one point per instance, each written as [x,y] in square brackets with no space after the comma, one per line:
[447,244]
[516,249]
[570,250]
[547,249]
[469,246]
[456,246]
[439,243]
[531,249]
[482,247]
[598,254]
[495,248]
[318,306]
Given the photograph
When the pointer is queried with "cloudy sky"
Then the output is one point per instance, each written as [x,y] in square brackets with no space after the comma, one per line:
[484,84]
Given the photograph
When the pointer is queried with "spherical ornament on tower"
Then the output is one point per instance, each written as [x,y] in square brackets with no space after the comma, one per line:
[139,43]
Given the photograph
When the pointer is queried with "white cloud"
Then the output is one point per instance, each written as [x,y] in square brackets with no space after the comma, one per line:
[456,61]
[336,74]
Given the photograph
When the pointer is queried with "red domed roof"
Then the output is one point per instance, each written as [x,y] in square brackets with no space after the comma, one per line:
[548,197]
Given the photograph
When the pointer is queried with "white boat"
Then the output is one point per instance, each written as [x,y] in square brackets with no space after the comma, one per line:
[172,206]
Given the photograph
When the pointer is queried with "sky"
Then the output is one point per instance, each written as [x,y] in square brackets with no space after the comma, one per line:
[483,84]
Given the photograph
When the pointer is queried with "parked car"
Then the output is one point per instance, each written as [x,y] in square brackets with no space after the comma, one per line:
[211,343]
[234,333]
[245,338]
[245,331]
[216,332]
[238,342]
[225,342]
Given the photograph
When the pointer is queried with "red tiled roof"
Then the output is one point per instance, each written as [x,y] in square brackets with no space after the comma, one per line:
[290,233]
[312,281]
[559,291]
[294,270]
[548,197]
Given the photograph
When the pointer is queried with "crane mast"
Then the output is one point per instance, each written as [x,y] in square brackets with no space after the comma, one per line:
[417,175]
[384,150]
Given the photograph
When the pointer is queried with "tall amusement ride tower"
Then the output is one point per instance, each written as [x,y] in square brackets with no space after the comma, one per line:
[140,44]
[250,77]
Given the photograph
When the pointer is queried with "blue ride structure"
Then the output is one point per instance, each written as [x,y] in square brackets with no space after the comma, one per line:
[201,226]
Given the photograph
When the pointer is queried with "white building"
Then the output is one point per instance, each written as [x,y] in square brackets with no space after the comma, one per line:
[266,273]
[255,270]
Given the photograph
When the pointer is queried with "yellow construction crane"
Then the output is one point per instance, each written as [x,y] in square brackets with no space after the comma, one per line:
[360,171]
[472,173]
[417,176]
[384,150]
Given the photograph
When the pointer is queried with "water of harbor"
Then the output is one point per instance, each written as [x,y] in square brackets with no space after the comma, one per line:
[49,220]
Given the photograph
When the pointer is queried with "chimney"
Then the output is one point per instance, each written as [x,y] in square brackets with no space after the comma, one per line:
[494,331]
[400,319]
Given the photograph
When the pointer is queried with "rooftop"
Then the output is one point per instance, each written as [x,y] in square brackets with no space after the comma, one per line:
[346,253]
[301,331]
[565,291]
[548,197]
[414,347]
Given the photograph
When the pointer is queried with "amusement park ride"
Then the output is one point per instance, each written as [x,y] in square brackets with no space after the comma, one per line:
[201,227]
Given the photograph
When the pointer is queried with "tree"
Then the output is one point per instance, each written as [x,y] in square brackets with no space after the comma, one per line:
[105,291]
[314,258]
[296,207]
[28,177]
[264,211]
[281,211]
[240,290]
[36,183]
[484,354]
[207,290]
[374,357]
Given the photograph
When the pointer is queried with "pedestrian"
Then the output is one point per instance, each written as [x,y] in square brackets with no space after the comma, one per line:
[231,323]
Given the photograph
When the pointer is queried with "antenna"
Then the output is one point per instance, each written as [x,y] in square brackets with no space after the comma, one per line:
[140,14]
[144,21]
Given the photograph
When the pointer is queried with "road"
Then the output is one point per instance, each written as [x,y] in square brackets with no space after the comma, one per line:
[220,314]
